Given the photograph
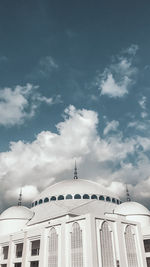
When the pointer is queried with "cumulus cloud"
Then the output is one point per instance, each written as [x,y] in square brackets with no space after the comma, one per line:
[50,158]
[20,103]
[117,79]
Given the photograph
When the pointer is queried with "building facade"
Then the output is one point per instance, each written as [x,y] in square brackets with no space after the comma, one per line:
[75,223]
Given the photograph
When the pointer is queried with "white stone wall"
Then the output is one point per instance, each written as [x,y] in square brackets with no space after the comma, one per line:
[90,227]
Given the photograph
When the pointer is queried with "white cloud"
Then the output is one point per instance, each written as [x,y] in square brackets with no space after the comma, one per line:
[132,50]
[142,104]
[20,103]
[51,100]
[110,87]
[143,124]
[14,104]
[117,79]
[50,157]
[139,125]
[28,192]
[111,126]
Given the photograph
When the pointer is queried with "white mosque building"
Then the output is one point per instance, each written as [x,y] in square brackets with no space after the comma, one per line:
[75,223]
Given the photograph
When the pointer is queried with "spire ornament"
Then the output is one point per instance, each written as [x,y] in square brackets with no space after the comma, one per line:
[75,172]
[20,198]
[127,194]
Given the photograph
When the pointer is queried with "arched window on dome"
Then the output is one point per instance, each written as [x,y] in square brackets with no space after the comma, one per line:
[113,200]
[69,196]
[130,247]
[33,204]
[46,199]
[86,196]
[36,203]
[40,201]
[107,251]
[94,197]
[108,199]
[77,196]
[118,201]
[76,246]
[101,198]
[53,198]
[61,197]
[53,248]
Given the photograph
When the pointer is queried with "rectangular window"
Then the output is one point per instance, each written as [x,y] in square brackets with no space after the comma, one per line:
[5,252]
[34,264]
[117,263]
[19,249]
[17,264]
[35,248]
[147,245]
[148,262]
[3,265]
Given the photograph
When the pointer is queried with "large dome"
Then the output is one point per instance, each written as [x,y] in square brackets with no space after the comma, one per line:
[75,189]
[131,208]
[17,212]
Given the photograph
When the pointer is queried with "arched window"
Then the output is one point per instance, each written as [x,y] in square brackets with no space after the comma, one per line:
[130,247]
[113,200]
[86,196]
[108,199]
[69,196]
[107,253]
[101,198]
[77,196]
[94,197]
[53,198]
[35,203]
[118,201]
[53,249]
[40,201]
[46,199]
[61,197]
[76,246]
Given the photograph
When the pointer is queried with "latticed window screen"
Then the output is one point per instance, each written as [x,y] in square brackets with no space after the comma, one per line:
[130,247]
[107,253]
[76,246]
[53,249]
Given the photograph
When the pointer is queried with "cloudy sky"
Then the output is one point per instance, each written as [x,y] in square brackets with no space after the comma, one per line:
[74,84]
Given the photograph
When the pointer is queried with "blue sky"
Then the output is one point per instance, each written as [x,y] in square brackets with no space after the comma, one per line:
[74,84]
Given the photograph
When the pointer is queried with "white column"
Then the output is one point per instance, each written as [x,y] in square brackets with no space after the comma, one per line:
[10,252]
[140,246]
[43,257]
[91,242]
[25,251]
[61,246]
[120,244]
